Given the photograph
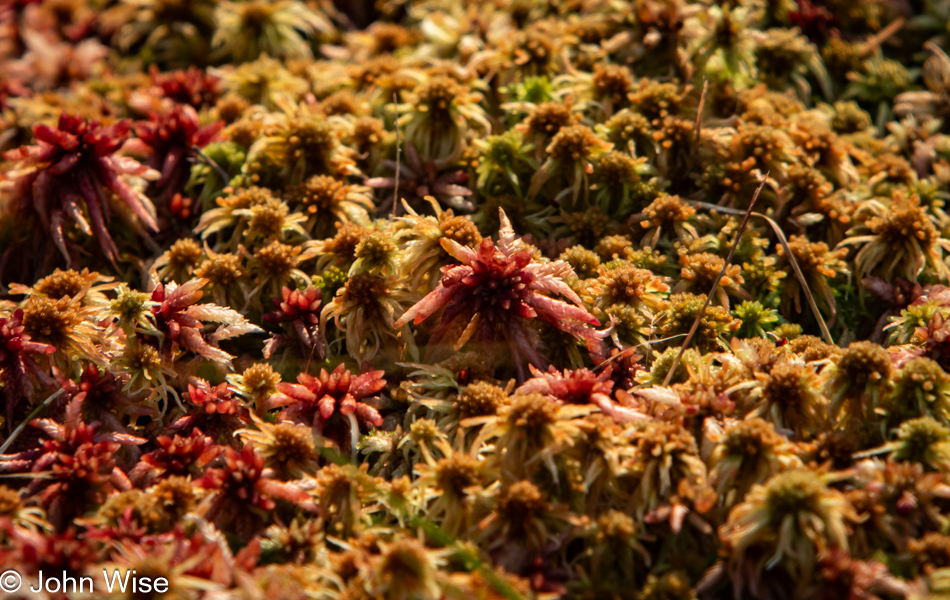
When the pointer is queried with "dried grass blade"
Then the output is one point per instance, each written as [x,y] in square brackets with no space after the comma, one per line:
[699,112]
[396,126]
[825,333]
[211,163]
[698,125]
[19,429]
[623,351]
[715,286]
[875,41]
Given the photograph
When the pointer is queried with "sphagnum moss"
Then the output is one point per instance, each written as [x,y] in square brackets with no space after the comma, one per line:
[324,305]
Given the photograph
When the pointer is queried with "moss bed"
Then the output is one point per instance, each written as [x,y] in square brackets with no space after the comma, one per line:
[475,299]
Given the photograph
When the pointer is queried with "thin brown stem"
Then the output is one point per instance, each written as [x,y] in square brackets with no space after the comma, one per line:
[780,235]
[875,41]
[699,112]
[398,149]
[715,286]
